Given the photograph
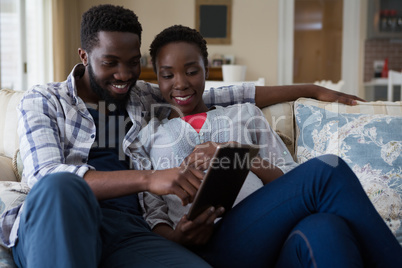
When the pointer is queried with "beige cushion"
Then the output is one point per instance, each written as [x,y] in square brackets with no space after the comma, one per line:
[9,100]
[280,117]
[6,169]
[374,107]
[18,166]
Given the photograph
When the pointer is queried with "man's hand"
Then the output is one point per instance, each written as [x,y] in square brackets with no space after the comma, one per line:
[181,181]
[190,233]
[268,95]
[325,94]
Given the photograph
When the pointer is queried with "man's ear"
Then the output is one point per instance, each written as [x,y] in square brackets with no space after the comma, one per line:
[83,56]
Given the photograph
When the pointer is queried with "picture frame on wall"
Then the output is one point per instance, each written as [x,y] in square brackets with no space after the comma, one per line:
[214,20]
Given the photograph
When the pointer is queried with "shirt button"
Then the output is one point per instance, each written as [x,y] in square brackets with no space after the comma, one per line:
[92,136]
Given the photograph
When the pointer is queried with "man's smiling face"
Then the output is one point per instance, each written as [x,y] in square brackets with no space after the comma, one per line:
[114,66]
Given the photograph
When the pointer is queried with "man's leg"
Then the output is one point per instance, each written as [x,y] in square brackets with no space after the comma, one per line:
[320,240]
[129,242]
[59,225]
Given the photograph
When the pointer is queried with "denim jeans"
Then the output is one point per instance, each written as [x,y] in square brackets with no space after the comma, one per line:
[317,215]
[63,225]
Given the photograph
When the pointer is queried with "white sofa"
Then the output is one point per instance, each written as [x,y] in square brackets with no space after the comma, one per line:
[308,127]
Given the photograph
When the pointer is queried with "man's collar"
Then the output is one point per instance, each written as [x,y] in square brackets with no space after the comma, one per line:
[77,72]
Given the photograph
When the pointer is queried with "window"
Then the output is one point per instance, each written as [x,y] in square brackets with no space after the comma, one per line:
[25,50]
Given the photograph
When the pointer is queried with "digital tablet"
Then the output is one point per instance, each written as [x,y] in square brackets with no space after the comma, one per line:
[224,178]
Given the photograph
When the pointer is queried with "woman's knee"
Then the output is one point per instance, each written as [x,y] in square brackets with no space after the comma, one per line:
[324,230]
[319,237]
[331,166]
[322,225]
[329,160]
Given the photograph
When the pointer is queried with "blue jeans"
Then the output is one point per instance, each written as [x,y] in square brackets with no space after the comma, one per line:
[317,215]
[62,225]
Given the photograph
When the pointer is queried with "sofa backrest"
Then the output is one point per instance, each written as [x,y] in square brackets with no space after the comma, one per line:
[9,100]
[281,118]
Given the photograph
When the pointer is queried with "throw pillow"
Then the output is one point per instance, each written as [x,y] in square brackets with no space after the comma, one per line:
[9,100]
[370,143]
[12,194]
[6,259]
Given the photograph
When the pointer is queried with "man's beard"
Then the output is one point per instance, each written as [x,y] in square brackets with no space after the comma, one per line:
[104,94]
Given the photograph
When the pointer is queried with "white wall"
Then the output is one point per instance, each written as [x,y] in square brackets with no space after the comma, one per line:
[254,29]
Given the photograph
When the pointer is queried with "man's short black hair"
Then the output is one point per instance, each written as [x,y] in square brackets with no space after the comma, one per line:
[107,18]
[178,33]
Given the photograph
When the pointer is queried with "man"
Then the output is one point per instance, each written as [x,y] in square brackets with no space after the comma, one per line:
[83,208]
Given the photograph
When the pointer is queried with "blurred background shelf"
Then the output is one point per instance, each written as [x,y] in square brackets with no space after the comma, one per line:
[147,74]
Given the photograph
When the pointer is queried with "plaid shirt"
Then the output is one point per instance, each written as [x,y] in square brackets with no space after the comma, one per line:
[57,132]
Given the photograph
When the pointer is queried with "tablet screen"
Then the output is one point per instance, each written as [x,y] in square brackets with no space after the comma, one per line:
[224,178]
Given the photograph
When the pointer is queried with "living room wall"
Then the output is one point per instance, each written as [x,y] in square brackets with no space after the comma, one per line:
[254,29]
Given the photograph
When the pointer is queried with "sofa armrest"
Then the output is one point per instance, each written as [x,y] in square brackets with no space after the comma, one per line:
[6,167]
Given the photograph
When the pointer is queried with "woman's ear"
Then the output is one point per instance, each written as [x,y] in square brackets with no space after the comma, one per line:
[83,56]
[206,72]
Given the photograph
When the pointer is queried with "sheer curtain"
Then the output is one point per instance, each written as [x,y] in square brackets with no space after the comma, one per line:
[12,50]
[37,40]
[66,19]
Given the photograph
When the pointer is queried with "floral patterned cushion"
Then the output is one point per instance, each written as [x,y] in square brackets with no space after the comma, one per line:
[370,143]
[6,259]
[11,194]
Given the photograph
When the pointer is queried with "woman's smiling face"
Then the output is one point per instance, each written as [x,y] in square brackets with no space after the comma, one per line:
[181,77]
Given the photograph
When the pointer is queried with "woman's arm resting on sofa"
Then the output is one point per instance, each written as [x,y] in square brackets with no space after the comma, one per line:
[268,95]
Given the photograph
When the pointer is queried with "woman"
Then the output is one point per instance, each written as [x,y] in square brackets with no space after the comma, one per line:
[313,215]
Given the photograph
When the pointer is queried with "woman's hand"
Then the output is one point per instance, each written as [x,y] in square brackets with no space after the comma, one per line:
[202,154]
[181,181]
[192,233]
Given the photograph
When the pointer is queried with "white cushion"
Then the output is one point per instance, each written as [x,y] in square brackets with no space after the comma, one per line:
[6,169]
[9,100]
[280,117]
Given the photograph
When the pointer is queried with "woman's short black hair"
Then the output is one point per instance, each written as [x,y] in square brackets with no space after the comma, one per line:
[107,18]
[178,33]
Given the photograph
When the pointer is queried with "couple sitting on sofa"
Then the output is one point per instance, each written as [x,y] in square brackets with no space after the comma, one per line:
[311,214]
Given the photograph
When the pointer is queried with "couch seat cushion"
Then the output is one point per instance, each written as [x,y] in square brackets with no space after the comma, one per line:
[6,167]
